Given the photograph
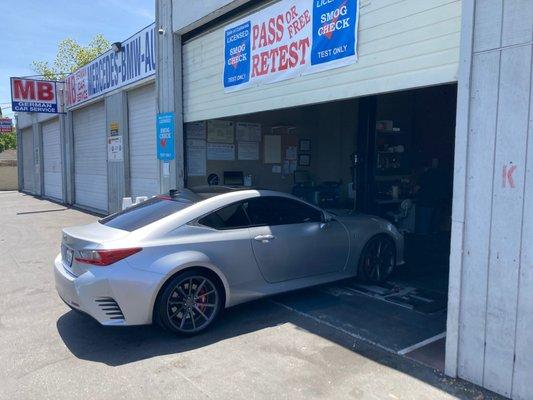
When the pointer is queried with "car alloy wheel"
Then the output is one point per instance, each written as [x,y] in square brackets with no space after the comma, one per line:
[190,303]
[377,259]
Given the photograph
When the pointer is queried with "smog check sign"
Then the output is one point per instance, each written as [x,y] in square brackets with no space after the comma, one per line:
[289,39]
[165,136]
[31,95]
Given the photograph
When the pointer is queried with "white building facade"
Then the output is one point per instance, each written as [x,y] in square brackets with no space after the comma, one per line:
[102,147]
[482,49]
[483,46]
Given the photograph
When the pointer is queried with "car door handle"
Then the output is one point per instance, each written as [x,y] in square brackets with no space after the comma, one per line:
[264,238]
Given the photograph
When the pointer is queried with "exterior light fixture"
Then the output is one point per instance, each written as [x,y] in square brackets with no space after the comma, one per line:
[116,47]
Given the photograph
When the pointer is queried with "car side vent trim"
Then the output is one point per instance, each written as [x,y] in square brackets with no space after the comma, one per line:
[110,307]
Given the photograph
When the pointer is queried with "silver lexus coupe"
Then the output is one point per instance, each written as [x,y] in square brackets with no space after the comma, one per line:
[180,259]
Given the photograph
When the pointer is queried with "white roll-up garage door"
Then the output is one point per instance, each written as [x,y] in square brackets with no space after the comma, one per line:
[90,157]
[28,166]
[144,168]
[402,45]
[53,186]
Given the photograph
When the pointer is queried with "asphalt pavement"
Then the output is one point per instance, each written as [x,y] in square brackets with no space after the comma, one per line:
[259,350]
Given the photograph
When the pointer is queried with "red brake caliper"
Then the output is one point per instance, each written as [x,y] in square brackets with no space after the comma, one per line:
[202,299]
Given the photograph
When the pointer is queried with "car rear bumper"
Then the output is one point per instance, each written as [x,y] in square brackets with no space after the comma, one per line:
[117,295]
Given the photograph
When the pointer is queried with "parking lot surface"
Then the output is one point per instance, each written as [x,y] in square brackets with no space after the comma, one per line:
[257,350]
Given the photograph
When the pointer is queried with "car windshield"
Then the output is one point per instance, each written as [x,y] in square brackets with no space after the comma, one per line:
[151,210]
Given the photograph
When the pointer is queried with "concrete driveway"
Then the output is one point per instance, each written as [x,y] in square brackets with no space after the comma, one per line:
[258,350]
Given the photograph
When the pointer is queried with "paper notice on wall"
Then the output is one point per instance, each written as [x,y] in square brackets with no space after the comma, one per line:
[248,151]
[291,153]
[272,149]
[115,151]
[196,130]
[220,131]
[196,157]
[286,167]
[293,164]
[220,151]
[248,132]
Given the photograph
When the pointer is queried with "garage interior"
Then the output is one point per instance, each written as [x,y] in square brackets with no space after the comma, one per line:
[389,155]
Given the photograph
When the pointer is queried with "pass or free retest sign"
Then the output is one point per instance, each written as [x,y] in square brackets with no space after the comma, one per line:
[31,95]
[289,39]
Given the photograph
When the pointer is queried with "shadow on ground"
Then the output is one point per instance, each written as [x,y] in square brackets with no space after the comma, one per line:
[114,346]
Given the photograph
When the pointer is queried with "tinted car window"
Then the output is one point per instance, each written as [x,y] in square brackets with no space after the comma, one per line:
[230,217]
[145,213]
[280,211]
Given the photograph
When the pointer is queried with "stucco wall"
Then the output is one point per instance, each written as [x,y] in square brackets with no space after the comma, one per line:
[8,176]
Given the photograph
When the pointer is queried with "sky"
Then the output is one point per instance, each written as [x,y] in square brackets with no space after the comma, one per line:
[32,29]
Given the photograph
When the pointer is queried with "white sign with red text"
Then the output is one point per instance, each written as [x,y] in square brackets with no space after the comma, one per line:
[6,125]
[289,39]
[136,60]
[31,95]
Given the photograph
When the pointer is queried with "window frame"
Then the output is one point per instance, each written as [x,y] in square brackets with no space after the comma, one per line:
[297,201]
[196,221]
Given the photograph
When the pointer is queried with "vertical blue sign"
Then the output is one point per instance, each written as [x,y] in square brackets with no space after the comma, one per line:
[334,25]
[165,136]
[237,55]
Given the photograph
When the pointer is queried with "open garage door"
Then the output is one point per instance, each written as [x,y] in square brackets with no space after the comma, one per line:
[27,160]
[390,156]
[90,157]
[144,170]
[401,45]
[53,186]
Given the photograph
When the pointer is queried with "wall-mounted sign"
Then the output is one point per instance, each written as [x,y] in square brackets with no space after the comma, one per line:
[220,151]
[248,132]
[195,130]
[31,95]
[219,131]
[248,151]
[6,125]
[196,157]
[115,151]
[135,61]
[272,149]
[113,128]
[165,136]
[288,39]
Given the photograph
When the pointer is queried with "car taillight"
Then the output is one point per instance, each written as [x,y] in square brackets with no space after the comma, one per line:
[104,257]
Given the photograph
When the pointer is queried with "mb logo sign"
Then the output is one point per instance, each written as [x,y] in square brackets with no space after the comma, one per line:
[31,95]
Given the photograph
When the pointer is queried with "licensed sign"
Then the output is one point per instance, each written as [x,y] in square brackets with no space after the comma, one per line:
[288,39]
[136,60]
[165,136]
[31,95]
[6,125]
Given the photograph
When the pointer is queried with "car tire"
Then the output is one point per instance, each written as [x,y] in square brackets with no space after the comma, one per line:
[190,303]
[377,260]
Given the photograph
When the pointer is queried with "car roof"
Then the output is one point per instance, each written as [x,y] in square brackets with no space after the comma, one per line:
[206,206]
